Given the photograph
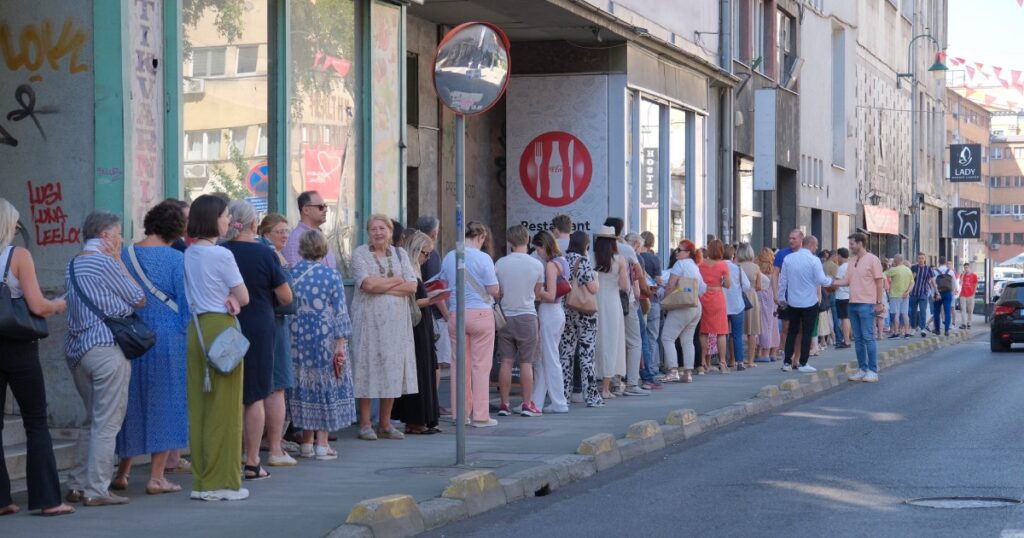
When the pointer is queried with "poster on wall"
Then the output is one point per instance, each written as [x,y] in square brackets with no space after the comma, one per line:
[558,149]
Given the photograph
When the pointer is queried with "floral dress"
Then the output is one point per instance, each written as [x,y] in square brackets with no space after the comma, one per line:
[321,400]
[384,353]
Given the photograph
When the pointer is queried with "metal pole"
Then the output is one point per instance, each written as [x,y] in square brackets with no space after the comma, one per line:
[915,204]
[460,290]
[960,243]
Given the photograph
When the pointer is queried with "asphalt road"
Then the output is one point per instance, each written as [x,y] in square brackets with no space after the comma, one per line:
[840,464]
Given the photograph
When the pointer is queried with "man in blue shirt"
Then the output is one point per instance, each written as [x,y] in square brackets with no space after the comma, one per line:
[921,294]
[801,275]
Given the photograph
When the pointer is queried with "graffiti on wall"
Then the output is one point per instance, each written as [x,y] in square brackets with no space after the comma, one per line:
[48,215]
[147,109]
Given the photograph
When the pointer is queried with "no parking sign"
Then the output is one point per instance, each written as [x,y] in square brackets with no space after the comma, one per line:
[256,180]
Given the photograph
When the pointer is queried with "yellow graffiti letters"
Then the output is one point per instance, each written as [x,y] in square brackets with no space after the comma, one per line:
[35,44]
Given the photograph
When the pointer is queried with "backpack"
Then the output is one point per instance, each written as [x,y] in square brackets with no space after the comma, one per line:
[944,282]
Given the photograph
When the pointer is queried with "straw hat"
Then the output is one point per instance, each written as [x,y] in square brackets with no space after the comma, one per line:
[607,232]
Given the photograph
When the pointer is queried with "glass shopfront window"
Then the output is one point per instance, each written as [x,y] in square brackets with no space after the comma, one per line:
[223,106]
[677,139]
[323,127]
[650,166]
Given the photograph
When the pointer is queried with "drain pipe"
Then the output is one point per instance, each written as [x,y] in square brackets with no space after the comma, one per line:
[726,127]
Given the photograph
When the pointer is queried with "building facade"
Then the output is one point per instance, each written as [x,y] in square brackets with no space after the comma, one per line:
[968,122]
[1005,215]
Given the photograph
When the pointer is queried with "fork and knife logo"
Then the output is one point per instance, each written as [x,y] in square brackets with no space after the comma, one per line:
[555,168]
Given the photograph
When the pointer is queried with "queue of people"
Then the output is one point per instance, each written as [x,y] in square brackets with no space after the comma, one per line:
[587,319]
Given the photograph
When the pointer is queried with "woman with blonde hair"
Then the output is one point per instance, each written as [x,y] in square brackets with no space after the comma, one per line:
[20,370]
[752,320]
[265,278]
[421,411]
[384,355]
[769,336]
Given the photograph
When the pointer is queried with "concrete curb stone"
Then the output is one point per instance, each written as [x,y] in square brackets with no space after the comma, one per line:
[604,450]
[649,433]
[541,479]
[630,448]
[572,467]
[681,417]
[513,489]
[769,392]
[440,511]
[479,490]
[350,531]
[391,515]
[672,433]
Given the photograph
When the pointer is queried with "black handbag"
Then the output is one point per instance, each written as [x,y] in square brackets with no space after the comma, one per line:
[624,298]
[17,322]
[132,334]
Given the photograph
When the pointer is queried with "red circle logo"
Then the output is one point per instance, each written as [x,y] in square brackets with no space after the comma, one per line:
[555,168]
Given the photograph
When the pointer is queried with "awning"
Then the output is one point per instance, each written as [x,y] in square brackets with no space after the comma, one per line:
[881,220]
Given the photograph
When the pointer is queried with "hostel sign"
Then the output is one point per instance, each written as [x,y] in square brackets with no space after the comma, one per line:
[964,162]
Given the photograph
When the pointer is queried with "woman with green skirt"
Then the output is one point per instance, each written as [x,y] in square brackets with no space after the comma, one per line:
[216,294]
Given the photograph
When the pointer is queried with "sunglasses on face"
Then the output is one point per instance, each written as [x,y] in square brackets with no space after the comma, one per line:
[321,207]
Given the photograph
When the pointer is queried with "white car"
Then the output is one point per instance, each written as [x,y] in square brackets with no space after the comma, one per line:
[999,285]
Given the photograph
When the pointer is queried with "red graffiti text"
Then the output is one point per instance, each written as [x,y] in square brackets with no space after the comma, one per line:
[49,217]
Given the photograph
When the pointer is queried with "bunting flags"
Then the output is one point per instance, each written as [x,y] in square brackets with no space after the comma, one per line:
[988,84]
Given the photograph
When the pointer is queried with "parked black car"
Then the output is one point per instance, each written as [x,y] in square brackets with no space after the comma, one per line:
[1008,318]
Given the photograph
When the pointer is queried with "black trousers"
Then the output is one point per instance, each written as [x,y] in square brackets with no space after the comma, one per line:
[19,369]
[801,320]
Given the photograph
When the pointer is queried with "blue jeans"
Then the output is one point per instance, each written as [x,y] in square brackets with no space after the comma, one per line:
[919,311]
[944,308]
[736,333]
[645,350]
[862,320]
[837,328]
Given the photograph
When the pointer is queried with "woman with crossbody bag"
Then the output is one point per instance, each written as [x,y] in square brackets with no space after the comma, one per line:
[156,419]
[579,338]
[547,372]
[681,323]
[217,293]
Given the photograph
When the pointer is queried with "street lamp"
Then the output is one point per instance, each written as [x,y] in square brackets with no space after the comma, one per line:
[937,66]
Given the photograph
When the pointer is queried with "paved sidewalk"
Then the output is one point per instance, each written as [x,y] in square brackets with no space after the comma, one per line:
[314,497]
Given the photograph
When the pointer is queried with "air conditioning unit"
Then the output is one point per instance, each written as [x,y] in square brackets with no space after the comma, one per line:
[995,246]
[193,86]
[195,171]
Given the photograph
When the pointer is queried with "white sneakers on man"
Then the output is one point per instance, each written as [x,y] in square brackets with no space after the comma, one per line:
[871,377]
[807,369]
[859,376]
[866,376]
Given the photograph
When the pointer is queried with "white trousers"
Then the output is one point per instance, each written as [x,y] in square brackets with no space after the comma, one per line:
[633,346]
[680,323]
[547,370]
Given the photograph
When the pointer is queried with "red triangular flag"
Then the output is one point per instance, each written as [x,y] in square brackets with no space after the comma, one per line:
[998,71]
[959,60]
[1004,83]
[980,66]
[970,72]
[1015,74]
[1020,3]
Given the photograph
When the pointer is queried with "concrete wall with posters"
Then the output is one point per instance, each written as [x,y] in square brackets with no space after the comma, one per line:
[558,150]
[46,150]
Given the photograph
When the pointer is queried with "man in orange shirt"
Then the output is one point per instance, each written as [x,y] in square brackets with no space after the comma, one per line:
[867,295]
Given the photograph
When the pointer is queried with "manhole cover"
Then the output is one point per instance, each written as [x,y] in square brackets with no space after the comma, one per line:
[964,502]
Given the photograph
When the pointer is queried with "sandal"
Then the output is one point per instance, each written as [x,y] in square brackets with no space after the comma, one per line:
[119,483]
[156,487]
[255,472]
[432,430]
[306,450]
[325,452]
[183,467]
[53,511]
[10,509]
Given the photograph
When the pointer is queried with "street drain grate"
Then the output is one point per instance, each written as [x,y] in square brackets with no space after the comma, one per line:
[956,503]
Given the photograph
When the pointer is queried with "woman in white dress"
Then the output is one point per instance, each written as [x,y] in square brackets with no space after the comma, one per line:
[383,354]
[613,278]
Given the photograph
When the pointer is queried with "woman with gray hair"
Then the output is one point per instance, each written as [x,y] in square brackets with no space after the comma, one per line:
[752,319]
[20,370]
[322,399]
[100,370]
[267,283]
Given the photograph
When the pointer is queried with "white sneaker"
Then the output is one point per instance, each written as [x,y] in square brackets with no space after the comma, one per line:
[807,369]
[484,423]
[871,377]
[221,495]
[556,410]
[859,376]
[636,391]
